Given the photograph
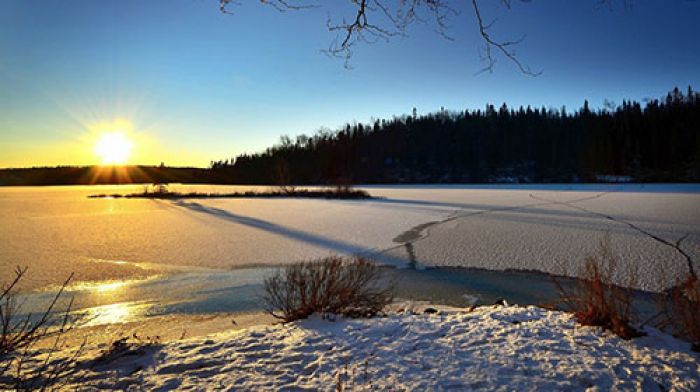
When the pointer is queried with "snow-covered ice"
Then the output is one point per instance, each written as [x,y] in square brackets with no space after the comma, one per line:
[489,348]
[553,231]
[550,228]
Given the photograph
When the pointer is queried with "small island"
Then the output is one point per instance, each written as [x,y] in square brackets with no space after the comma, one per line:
[160,191]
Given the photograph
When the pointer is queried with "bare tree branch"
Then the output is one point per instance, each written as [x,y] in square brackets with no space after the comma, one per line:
[504,47]
[279,5]
[381,20]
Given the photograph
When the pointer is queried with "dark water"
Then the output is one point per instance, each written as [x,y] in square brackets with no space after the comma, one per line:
[241,290]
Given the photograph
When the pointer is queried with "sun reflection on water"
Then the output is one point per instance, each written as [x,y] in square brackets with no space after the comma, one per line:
[109,287]
[112,302]
[122,312]
[112,286]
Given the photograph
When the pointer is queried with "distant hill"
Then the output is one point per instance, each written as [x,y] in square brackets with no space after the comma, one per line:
[93,175]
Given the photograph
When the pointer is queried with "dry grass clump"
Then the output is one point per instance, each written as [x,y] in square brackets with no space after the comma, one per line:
[681,310]
[348,287]
[24,366]
[596,301]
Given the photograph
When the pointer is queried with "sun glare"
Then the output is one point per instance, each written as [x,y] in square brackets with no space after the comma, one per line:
[113,148]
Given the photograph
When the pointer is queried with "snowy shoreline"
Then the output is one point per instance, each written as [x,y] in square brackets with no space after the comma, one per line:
[487,348]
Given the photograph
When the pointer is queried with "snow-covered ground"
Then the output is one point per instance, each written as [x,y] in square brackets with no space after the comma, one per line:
[550,228]
[489,348]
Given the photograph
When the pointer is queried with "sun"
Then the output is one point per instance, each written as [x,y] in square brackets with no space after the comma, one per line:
[113,147]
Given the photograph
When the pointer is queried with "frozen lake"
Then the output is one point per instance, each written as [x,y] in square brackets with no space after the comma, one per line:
[141,251]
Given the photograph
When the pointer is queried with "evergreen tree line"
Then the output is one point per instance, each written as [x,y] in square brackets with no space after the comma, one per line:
[659,141]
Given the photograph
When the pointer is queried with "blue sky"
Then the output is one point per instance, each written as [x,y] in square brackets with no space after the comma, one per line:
[198,85]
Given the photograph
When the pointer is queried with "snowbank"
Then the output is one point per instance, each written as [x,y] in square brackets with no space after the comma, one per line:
[490,348]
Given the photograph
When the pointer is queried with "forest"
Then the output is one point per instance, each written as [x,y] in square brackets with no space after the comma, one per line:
[655,142]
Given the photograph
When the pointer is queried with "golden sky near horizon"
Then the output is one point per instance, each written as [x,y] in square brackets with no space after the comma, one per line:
[113,142]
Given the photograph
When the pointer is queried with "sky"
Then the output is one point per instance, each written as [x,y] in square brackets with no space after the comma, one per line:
[188,84]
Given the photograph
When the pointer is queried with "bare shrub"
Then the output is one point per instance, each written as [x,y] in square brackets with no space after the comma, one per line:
[347,192]
[160,188]
[596,301]
[680,308]
[348,287]
[342,184]
[22,365]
